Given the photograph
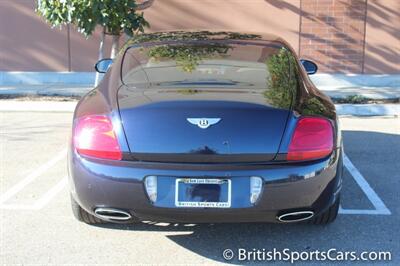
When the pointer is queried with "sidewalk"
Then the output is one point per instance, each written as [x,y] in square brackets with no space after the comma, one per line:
[69,107]
[44,94]
[58,97]
[66,90]
[76,84]
[78,90]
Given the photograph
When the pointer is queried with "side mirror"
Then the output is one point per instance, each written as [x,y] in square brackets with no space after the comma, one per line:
[309,66]
[102,65]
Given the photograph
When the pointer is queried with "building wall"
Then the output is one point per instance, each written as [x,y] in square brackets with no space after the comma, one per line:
[382,40]
[238,15]
[332,34]
[27,43]
[345,36]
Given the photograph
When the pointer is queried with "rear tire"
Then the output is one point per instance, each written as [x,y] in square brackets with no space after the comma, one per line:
[329,215]
[82,215]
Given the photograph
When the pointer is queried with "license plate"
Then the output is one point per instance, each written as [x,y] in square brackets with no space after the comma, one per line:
[203,193]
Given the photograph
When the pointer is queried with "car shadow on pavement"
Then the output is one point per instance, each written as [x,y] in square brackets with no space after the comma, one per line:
[210,240]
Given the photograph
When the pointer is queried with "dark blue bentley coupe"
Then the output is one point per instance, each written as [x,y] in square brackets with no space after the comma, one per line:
[208,127]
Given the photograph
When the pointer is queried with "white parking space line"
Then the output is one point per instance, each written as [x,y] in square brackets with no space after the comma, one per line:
[360,211]
[380,207]
[17,207]
[46,198]
[30,178]
[42,202]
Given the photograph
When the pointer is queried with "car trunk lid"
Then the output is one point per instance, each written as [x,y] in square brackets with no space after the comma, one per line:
[171,130]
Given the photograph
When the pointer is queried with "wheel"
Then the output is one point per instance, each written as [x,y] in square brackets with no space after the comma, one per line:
[329,215]
[82,215]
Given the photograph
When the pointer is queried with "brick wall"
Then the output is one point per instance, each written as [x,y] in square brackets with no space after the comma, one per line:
[332,33]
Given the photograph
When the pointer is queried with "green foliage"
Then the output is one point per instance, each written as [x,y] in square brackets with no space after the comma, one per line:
[115,16]
[188,57]
[188,91]
[354,99]
[314,106]
[281,84]
[191,36]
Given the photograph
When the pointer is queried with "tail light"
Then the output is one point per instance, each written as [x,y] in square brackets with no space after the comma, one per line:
[312,139]
[94,136]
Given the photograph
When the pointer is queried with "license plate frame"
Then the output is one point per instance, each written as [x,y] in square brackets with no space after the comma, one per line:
[203,204]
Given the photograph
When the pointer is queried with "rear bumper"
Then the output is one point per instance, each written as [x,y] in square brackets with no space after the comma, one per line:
[308,186]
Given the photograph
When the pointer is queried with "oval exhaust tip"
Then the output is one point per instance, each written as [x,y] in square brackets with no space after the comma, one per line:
[112,214]
[295,216]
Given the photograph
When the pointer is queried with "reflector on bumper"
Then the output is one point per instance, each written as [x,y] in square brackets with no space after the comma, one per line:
[150,184]
[255,188]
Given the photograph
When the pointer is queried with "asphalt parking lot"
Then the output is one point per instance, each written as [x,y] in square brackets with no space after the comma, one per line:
[37,226]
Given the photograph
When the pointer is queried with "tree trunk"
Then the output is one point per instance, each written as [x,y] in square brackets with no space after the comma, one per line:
[126,37]
[101,56]
[143,4]
[115,46]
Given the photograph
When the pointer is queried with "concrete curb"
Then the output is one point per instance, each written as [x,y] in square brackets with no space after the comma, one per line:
[44,78]
[78,90]
[37,106]
[323,80]
[342,109]
[338,81]
[368,109]
[66,90]
[375,93]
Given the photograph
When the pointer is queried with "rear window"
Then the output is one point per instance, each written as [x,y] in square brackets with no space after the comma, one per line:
[226,63]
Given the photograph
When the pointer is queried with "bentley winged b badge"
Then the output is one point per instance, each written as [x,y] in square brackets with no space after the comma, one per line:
[203,122]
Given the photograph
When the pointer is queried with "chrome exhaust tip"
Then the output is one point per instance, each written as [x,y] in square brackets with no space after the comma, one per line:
[295,216]
[112,214]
